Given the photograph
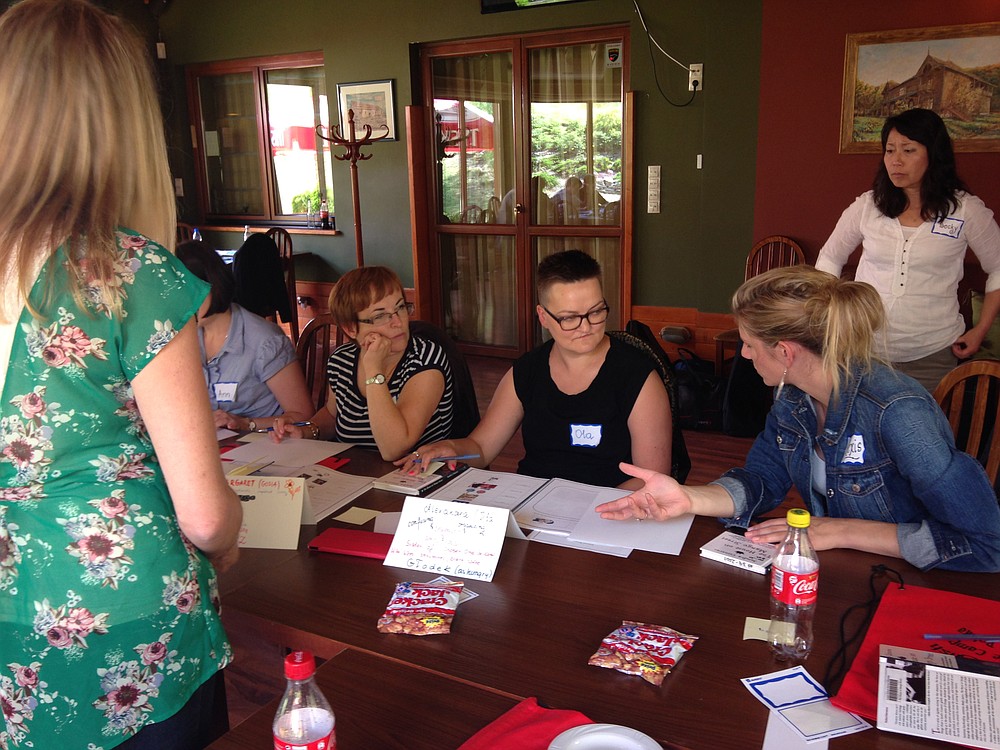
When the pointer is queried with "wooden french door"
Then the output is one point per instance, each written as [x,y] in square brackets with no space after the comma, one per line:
[520,147]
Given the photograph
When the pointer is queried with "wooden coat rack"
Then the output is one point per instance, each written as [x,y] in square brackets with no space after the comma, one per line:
[352,152]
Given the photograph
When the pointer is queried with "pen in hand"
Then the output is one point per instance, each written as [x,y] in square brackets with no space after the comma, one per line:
[466,457]
[291,424]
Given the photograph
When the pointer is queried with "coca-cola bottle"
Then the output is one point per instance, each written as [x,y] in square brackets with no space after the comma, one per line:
[304,720]
[794,582]
[324,214]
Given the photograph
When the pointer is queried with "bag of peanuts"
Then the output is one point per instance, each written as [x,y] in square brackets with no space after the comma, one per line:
[421,608]
[646,650]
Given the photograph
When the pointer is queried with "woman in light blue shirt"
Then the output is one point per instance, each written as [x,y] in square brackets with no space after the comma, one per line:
[250,365]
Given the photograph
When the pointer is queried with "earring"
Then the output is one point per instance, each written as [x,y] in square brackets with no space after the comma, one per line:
[781,385]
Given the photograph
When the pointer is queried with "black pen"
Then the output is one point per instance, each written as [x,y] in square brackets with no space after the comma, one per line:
[466,457]
[960,637]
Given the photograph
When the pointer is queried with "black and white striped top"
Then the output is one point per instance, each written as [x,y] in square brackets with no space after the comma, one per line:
[353,425]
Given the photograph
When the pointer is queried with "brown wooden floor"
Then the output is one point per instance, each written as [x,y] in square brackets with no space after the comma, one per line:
[255,677]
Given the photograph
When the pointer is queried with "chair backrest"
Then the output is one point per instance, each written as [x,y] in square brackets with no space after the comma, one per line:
[970,398]
[466,415]
[184,232]
[775,251]
[318,339]
[641,337]
[283,240]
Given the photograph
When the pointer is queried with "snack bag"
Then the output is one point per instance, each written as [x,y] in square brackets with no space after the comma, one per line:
[421,608]
[646,650]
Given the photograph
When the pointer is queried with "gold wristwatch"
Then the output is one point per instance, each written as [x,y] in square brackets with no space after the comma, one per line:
[378,379]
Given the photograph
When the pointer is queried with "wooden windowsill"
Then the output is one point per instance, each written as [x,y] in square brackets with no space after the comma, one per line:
[258,229]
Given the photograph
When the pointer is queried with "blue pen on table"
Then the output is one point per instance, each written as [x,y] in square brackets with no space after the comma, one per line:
[961,637]
[466,457]
[290,424]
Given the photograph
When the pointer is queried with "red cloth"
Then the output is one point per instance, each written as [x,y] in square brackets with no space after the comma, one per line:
[902,618]
[527,726]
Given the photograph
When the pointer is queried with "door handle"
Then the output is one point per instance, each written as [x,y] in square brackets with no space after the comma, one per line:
[519,208]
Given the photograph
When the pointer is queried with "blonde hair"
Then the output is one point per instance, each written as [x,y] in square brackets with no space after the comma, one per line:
[84,149]
[834,319]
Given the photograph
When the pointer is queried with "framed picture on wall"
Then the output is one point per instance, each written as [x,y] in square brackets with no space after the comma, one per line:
[373,104]
[953,70]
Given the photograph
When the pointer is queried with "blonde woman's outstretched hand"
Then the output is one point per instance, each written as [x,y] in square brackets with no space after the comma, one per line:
[660,498]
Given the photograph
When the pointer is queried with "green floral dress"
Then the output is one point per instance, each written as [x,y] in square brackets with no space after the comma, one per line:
[107,613]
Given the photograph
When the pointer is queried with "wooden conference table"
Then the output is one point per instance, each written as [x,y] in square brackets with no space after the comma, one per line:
[530,632]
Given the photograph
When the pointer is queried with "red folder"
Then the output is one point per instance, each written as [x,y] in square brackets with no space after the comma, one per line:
[353,542]
[902,618]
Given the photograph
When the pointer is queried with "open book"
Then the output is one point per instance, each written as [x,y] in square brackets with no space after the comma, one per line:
[418,484]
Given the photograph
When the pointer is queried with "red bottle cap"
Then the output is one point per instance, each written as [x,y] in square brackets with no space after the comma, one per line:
[299,665]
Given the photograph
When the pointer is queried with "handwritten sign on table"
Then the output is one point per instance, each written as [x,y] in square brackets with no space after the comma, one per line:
[272,510]
[453,539]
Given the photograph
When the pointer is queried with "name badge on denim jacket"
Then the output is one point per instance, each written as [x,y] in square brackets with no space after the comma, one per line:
[586,435]
[855,453]
[949,227]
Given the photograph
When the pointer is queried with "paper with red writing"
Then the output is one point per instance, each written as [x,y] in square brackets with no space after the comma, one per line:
[272,510]
[458,540]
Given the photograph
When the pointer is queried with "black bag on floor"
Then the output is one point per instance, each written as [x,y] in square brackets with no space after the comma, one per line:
[699,392]
[747,401]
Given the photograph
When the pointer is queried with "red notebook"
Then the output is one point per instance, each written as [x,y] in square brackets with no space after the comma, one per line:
[902,618]
[353,542]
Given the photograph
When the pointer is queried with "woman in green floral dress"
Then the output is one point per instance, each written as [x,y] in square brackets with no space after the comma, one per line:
[114,513]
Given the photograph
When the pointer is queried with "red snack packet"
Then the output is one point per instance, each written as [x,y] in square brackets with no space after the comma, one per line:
[646,650]
[421,608]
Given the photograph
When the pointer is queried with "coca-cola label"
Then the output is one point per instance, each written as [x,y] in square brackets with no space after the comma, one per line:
[325,743]
[795,589]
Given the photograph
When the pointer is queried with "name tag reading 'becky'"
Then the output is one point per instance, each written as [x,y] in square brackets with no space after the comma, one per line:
[586,435]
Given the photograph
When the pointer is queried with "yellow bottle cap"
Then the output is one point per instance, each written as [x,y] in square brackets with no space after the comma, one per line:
[798,518]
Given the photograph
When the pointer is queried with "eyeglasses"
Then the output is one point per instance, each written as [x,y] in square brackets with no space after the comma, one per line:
[382,318]
[572,322]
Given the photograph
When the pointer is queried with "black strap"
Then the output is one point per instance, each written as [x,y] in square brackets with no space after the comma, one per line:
[837,666]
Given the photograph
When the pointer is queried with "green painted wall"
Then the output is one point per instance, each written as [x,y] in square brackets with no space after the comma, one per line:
[706,221]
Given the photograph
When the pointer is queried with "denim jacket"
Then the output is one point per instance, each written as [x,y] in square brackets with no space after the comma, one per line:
[889,456]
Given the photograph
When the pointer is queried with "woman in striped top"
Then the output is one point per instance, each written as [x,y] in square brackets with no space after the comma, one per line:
[388,390]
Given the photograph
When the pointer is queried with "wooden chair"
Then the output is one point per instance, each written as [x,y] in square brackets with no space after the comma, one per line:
[776,251]
[466,407]
[184,232]
[970,398]
[283,240]
[318,339]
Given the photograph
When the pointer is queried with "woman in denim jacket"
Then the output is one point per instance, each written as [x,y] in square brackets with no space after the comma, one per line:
[867,448]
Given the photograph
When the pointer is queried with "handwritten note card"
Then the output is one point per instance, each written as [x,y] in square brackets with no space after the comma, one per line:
[272,510]
[453,539]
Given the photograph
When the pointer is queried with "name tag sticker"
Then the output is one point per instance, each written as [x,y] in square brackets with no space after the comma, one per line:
[586,435]
[855,453]
[949,227]
[225,392]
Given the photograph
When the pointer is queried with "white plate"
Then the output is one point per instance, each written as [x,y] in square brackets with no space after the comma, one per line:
[603,737]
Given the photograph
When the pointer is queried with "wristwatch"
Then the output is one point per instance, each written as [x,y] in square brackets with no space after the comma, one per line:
[376,380]
[252,425]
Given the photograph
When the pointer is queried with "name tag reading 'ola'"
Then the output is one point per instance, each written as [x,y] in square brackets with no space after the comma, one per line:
[586,435]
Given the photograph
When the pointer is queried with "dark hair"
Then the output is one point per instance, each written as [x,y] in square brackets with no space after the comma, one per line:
[358,288]
[566,267]
[202,260]
[941,181]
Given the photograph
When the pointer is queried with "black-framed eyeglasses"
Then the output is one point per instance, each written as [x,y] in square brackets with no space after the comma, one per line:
[572,322]
[380,319]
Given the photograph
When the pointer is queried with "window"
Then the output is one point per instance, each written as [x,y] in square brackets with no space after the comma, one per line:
[258,157]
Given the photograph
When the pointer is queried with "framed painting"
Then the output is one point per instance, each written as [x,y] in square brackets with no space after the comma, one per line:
[373,104]
[953,70]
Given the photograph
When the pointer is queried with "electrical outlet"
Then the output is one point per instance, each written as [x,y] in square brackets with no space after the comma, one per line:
[695,74]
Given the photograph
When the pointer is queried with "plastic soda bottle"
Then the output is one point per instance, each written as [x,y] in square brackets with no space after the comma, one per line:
[324,214]
[794,582]
[304,720]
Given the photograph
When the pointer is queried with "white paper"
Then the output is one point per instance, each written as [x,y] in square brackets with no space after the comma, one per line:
[561,540]
[780,736]
[221,433]
[289,452]
[494,489]
[666,537]
[559,505]
[803,705]
[451,539]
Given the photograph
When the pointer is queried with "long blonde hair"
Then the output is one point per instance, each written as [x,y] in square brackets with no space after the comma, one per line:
[834,319]
[83,143]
